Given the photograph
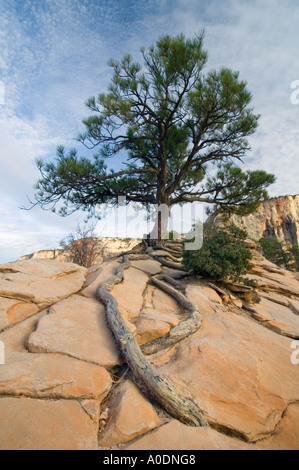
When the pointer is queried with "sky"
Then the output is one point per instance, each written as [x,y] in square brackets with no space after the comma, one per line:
[54,55]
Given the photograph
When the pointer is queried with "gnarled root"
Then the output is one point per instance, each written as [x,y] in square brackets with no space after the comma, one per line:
[146,376]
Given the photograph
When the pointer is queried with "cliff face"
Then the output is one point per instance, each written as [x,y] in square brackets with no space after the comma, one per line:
[107,248]
[278,217]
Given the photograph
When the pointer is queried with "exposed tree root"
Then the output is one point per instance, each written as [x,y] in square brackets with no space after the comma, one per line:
[146,376]
[170,264]
[184,329]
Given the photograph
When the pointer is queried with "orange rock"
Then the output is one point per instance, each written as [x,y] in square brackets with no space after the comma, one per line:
[129,294]
[150,267]
[14,311]
[278,317]
[98,275]
[16,337]
[176,436]
[76,327]
[164,303]
[30,424]
[197,295]
[52,376]
[150,328]
[239,372]
[42,282]
[286,435]
[132,416]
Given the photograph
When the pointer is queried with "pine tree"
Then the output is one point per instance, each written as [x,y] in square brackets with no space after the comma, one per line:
[184,134]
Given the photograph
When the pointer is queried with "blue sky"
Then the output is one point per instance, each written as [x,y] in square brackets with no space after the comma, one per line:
[54,56]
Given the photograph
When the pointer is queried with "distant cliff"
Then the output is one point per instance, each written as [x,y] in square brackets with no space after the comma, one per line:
[107,248]
[277,217]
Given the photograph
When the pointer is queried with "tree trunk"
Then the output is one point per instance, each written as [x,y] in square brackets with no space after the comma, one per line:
[159,231]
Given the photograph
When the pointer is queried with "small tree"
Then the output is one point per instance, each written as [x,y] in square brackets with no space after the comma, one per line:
[82,247]
[223,255]
[175,124]
[280,253]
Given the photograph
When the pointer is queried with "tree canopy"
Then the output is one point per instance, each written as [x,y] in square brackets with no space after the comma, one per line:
[184,134]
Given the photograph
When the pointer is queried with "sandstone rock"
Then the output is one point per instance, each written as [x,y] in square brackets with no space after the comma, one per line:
[43,254]
[76,327]
[107,248]
[150,328]
[284,283]
[211,294]
[283,329]
[129,294]
[97,275]
[31,424]
[132,416]
[52,376]
[278,299]
[237,302]
[93,409]
[4,321]
[239,372]
[286,434]
[164,303]
[278,317]
[42,282]
[197,295]
[277,217]
[15,311]
[16,337]
[294,305]
[150,267]
[176,436]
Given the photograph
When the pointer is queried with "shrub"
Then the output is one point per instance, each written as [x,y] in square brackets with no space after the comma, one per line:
[280,253]
[82,247]
[223,255]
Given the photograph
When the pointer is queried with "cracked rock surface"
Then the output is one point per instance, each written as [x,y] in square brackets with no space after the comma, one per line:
[65,386]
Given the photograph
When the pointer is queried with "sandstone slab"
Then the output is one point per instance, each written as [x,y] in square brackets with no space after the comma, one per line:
[164,303]
[52,376]
[132,416]
[150,267]
[286,435]
[15,311]
[42,282]
[129,294]
[31,424]
[4,321]
[150,328]
[16,337]
[76,327]
[97,275]
[198,296]
[282,282]
[278,317]
[239,372]
[176,436]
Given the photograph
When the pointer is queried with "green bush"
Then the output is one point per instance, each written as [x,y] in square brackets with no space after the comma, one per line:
[223,255]
[280,253]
